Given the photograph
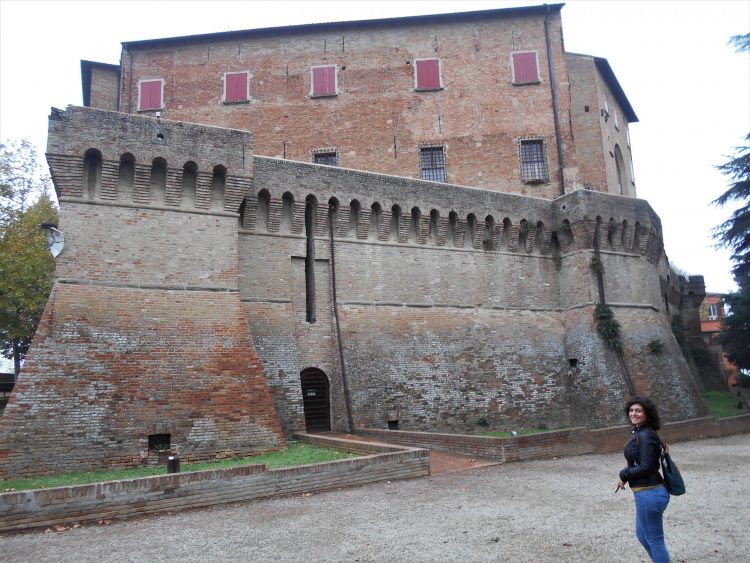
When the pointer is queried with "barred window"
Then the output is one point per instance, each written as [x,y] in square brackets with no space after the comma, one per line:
[533,163]
[329,158]
[432,163]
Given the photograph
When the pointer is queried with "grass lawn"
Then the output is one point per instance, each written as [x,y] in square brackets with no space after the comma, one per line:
[298,453]
[520,432]
[723,403]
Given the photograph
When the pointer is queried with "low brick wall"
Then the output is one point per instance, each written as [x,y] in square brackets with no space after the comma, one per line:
[559,443]
[148,495]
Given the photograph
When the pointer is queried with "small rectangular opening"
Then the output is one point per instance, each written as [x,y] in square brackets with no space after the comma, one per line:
[573,362]
[393,425]
[159,442]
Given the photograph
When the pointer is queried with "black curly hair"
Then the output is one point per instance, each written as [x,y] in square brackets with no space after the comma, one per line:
[652,417]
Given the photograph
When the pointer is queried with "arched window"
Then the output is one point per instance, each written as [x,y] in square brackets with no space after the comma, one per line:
[158,185]
[126,177]
[507,225]
[471,229]
[539,240]
[625,234]
[287,211]
[189,181]
[354,208]
[489,230]
[376,216]
[395,222]
[611,233]
[218,185]
[523,234]
[450,236]
[432,233]
[333,210]
[414,225]
[261,216]
[92,173]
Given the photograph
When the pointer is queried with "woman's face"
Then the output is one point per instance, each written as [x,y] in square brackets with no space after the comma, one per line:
[637,415]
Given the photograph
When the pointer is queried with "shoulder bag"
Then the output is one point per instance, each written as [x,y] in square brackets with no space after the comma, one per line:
[673,480]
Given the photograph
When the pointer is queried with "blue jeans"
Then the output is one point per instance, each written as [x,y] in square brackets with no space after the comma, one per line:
[649,508]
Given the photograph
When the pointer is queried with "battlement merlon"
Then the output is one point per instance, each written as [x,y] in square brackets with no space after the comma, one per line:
[76,132]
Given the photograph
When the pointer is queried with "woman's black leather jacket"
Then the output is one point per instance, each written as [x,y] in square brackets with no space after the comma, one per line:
[642,453]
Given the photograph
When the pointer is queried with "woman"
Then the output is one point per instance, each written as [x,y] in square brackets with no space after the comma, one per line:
[642,474]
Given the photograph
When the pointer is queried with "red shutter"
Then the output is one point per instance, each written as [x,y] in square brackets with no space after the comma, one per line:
[236,87]
[524,68]
[324,81]
[150,97]
[428,74]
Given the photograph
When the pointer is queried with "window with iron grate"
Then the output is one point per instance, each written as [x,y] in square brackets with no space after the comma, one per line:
[432,163]
[533,161]
[329,158]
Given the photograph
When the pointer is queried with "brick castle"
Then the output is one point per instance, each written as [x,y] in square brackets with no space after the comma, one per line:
[440,203]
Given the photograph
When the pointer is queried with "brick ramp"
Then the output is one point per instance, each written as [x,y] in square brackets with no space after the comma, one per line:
[440,461]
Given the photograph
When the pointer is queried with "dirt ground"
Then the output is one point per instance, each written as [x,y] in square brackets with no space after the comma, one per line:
[554,510]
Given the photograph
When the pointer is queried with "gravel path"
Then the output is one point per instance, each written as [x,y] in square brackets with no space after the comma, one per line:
[555,510]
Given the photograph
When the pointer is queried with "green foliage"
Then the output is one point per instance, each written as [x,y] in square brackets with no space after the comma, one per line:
[597,265]
[656,347]
[26,265]
[723,403]
[607,326]
[734,234]
[735,330]
[701,356]
[520,432]
[296,454]
[678,329]
[743,380]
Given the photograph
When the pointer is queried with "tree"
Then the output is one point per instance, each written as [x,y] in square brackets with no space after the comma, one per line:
[26,265]
[734,234]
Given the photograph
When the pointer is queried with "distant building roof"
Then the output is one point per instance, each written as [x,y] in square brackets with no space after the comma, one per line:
[356,24]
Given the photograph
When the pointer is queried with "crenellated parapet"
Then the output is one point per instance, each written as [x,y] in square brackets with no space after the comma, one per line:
[382,208]
[109,157]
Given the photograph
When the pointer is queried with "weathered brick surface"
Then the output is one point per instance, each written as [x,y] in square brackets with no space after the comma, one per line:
[456,304]
[144,332]
[440,331]
[378,120]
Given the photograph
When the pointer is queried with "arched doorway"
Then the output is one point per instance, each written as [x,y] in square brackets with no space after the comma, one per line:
[316,400]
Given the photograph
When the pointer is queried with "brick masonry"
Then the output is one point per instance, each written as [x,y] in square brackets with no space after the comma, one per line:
[130,498]
[168,493]
[180,302]
[378,119]
[144,333]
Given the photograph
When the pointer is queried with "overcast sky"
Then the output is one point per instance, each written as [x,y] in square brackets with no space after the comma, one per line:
[690,90]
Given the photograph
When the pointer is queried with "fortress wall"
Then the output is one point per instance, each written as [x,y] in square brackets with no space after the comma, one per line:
[147,247]
[442,328]
[144,333]
[111,365]
[449,369]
